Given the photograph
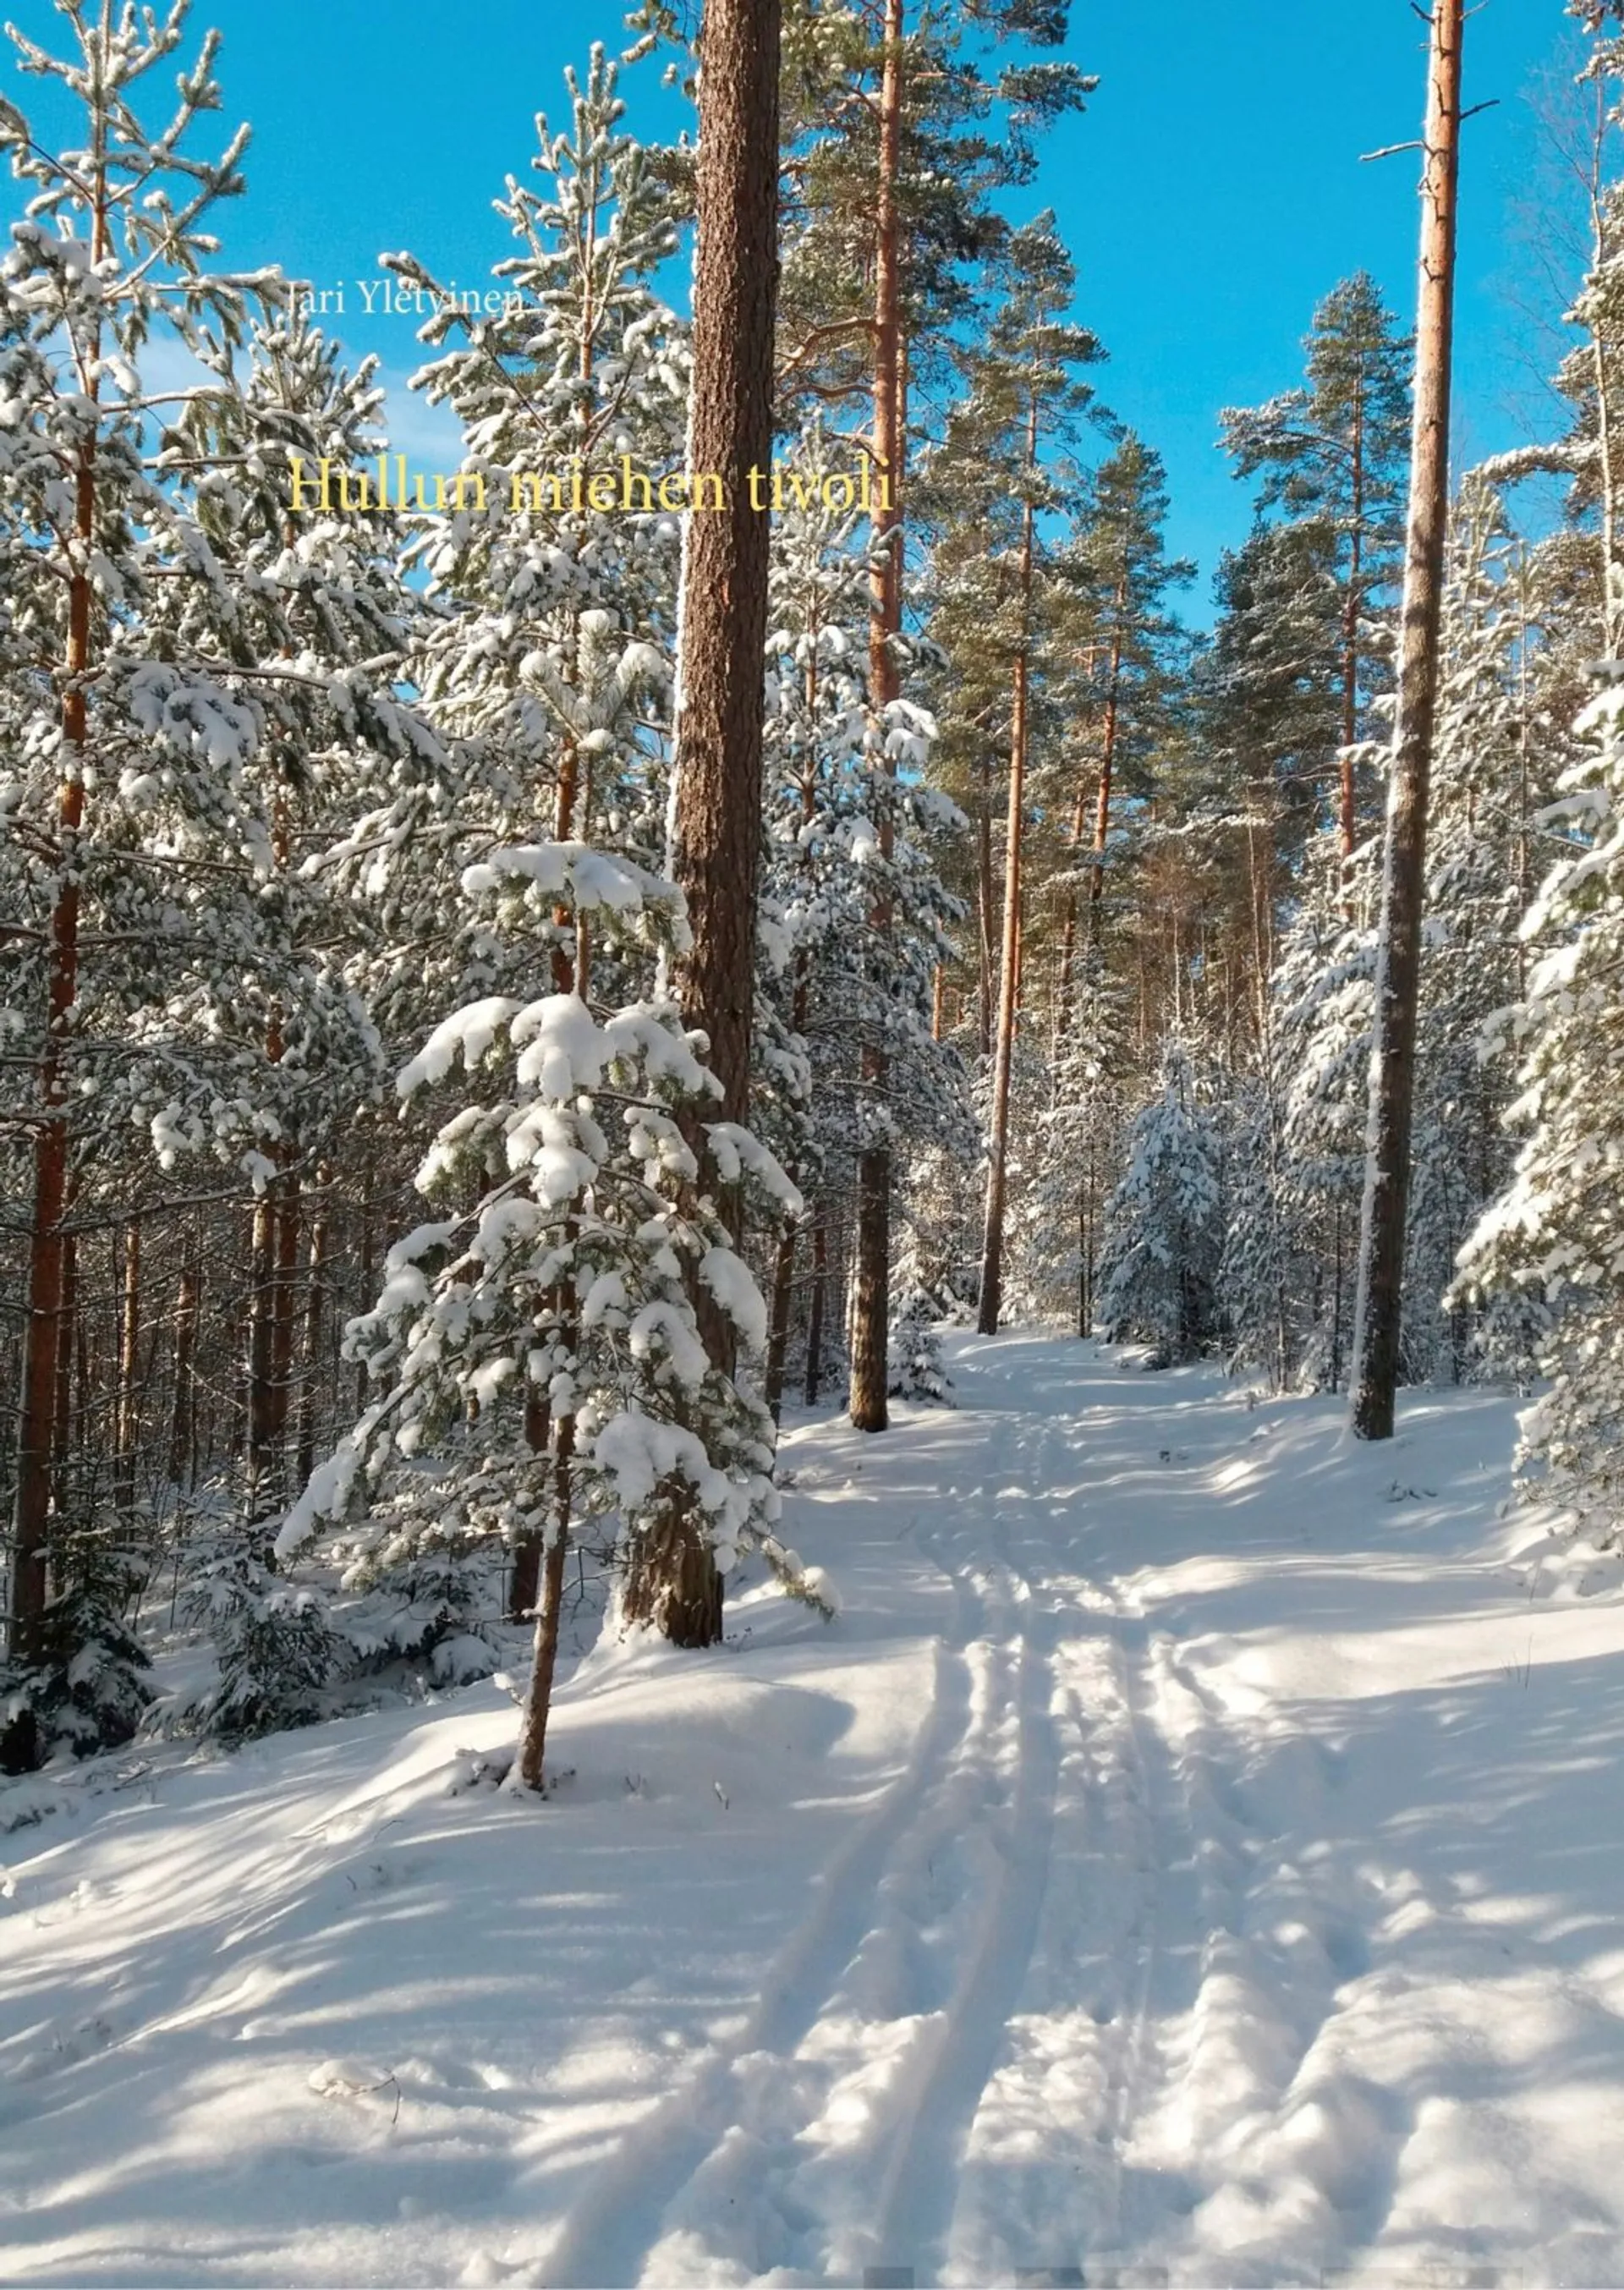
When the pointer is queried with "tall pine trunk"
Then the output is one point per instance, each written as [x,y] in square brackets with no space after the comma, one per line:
[991,1300]
[310,1365]
[183,1414]
[1374,1378]
[984,903]
[871,1315]
[126,1429]
[48,1332]
[262,1452]
[674,1582]
[1066,960]
[1107,769]
[1350,631]
[814,1311]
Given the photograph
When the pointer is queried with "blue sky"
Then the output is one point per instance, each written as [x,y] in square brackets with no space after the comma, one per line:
[1213,193]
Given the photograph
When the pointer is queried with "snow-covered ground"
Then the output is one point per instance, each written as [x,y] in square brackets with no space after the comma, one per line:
[1195,1853]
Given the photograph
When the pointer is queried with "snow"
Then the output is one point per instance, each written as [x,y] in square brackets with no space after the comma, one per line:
[732,1283]
[469,1032]
[1192,1854]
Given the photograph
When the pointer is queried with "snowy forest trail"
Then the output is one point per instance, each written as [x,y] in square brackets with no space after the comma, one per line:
[1191,1857]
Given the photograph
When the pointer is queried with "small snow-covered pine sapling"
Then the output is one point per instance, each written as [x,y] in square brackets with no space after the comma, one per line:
[538,1356]
[916,1370]
[1164,1223]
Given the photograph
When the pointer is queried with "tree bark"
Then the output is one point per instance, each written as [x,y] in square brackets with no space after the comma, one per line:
[48,1332]
[991,1300]
[183,1415]
[871,1316]
[262,1455]
[125,1427]
[309,1387]
[1108,766]
[1066,961]
[1350,631]
[49,1326]
[777,1336]
[814,1311]
[673,1582]
[984,914]
[544,1660]
[1374,1379]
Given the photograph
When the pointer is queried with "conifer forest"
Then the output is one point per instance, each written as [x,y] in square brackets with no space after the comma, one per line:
[811,1279]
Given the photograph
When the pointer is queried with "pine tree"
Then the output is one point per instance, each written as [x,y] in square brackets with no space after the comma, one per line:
[1164,1223]
[901,136]
[1005,461]
[852,831]
[1332,456]
[166,688]
[1378,1309]
[539,1357]
[1472,961]
[717,801]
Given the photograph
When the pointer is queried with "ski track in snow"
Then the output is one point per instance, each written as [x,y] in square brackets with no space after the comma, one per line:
[1130,1968]
[962,2090]
[842,2113]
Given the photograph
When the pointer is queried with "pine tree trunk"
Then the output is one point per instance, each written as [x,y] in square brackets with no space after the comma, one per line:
[1066,962]
[68,1329]
[262,1453]
[526,1579]
[1108,766]
[1084,1301]
[814,1311]
[364,1257]
[310,1377]
[1387,1179]
[778,1333]
[991,1299]
[284,1275]
[41,1431]
[183,1415]
[872,1298]
[984,919]
[544,1660]
[1350,633]
[991,1302]
[526,1582]
[871,1294]
[673,1582]
[124,1424]
[800,1014]
[271,1310]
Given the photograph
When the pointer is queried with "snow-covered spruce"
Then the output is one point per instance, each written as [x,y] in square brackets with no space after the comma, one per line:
[539,1355]
[1555,1237]
[854,917]
[1164,1227]
[916,1369]
[176,672]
